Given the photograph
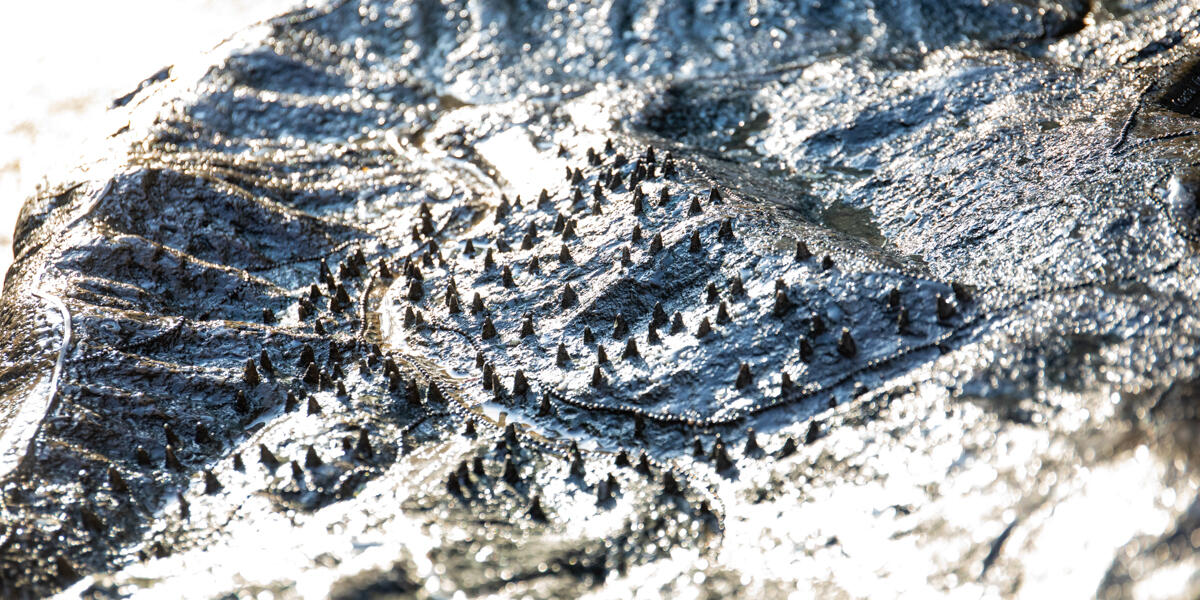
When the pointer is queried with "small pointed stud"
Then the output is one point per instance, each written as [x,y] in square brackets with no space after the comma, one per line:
[694,245]
[631,349]
[846,346]
[569,298]
[945,310]
[597,377]
[677,323]
[802,252]
[723,314]
[250,373]
[656,244]
[563,357]
[744,378]
[489,328]
[211,484]
[704,329]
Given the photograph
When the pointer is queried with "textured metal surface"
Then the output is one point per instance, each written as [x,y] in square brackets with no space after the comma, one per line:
[834,300]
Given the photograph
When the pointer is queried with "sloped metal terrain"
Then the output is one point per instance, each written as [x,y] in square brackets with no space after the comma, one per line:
[761,299]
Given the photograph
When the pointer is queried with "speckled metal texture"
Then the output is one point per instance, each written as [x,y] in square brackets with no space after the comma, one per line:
[755,299]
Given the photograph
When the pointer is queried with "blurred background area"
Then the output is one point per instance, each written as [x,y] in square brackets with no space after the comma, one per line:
[62,62]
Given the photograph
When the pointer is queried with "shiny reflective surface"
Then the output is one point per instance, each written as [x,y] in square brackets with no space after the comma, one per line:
[858,301]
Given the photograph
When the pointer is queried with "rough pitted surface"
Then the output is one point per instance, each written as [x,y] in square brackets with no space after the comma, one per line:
[847,299]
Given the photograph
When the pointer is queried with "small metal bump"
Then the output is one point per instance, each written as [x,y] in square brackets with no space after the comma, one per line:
[622,459]
[620,327]
[631,349]
[588,336]
[652,335]
[250,373]
[626,258]
[945,310]
[697,447]
[656,244]
[643,465]
[211,484]
[560,223]
[846,346]
[563,356]
[410,316]
[635,237]
[489,261]
[314,407]
[601,355]
[714,195]
[311,459]
[751,442]
[433,394]
[802,252]
[527,326]
[721,457]
[785,384]
[670,485]
[453,487]
[341,390]
[677,323]
[536,512]
[319,328]
[694,208]
[806,349]
[489,328]
[171,460]
[789,448]
[507,277]
[477,304]
[312,375]
[264,361]
[116,482]
[267,458]
[710,293]
[813,433]
[143,457]
[597,377]
[827,262]
[520,383]
[568,231]
[639,427]
[510,437]
[961,293]
[268,317]
[510,472]
[694,245]
[744,378]
[569,298]
[469,428]
[726,230]
[564,254]
[297,472]
[544,406]
[534,266]
[816,325]
[238,464]
[477,466]
[202,435]
[783,306]
[240,403]
[306,356]
[723,314]
[704,329]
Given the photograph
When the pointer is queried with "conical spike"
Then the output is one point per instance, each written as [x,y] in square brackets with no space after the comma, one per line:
[744,378]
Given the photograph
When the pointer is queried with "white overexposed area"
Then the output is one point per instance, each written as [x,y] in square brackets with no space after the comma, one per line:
[64,61]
